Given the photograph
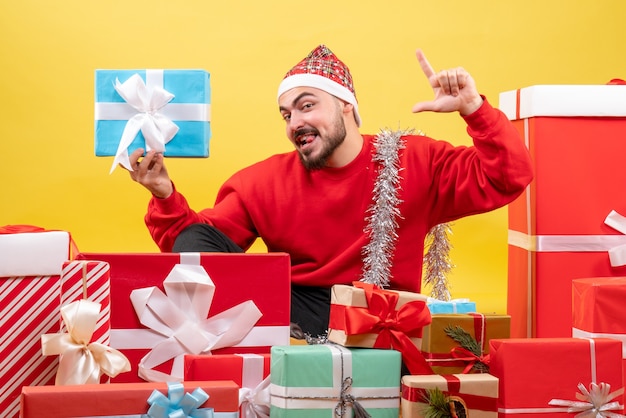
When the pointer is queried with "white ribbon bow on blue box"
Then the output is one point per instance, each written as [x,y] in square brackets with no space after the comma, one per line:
[163,110]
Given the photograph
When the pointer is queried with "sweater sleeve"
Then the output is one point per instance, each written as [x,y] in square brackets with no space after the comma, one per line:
[489,175]
[500,149]
[166,218]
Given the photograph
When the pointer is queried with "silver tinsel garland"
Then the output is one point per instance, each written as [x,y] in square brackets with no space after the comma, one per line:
[383,213]
[437,262]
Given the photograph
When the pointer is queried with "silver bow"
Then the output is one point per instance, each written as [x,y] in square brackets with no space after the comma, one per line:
[593,403]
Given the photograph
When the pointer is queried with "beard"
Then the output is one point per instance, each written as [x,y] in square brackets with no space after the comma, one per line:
[330,143]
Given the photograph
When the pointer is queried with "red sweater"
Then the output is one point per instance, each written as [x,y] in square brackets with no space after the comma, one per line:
[318,217]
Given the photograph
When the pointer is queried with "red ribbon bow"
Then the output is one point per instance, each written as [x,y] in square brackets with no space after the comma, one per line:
[463,354]
[394,327]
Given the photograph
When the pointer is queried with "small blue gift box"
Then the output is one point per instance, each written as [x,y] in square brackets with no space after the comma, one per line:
[165,110]
[461,306]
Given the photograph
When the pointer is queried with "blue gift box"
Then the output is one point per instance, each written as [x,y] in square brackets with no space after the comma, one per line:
[185,105]
[461,306]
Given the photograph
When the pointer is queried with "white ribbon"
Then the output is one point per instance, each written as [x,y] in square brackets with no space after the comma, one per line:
[617,254]
[593,403]
[180,317]
[255,402]
[82,362]
[615,245]
[156,128]
[579,333]
[254,394]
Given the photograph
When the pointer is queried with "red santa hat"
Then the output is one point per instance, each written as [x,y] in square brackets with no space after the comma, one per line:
[321,69]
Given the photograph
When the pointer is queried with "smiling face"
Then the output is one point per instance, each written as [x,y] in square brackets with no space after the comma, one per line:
[314,125]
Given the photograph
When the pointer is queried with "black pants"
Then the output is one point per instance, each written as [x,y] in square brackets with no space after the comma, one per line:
[310,306]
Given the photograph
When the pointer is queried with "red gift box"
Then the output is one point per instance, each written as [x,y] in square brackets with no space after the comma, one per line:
[575,135]
[239,278]
[29,308]
[598,309]
[249,371]
[244,369]
[117,399]
[534,371]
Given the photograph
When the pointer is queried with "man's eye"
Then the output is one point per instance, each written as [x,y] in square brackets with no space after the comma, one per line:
[286,116]
[307,105]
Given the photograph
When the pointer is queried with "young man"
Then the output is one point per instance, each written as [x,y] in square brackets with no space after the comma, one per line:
[344,205]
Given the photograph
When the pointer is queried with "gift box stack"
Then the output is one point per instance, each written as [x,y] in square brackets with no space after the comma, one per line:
[30,263]
[575,135]
[424,331]
[38,282]
[456,347]
[565,265]
[172,316]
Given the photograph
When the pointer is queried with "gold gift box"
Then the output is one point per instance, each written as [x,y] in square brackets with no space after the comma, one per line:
[476,393]
[437,345]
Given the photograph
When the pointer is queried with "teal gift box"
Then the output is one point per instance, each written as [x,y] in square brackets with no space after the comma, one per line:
[151,109]
[329,380]
[461,306]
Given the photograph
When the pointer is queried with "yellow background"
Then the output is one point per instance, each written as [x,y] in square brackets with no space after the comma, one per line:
[49,50]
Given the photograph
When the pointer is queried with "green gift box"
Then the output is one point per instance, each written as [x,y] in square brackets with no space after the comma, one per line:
[329,380]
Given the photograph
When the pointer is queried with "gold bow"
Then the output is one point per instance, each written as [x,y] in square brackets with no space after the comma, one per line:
[81,361]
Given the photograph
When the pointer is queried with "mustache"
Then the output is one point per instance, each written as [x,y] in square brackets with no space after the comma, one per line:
[305,131]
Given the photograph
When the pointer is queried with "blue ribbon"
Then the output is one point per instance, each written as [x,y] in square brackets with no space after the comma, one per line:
[178,404]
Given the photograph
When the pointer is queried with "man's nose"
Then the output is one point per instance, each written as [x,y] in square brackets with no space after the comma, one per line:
[295,121]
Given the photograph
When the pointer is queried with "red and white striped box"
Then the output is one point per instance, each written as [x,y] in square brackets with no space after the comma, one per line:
[29,307]
[85,279]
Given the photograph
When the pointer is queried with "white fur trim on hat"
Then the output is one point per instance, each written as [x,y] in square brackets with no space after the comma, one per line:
[322,83]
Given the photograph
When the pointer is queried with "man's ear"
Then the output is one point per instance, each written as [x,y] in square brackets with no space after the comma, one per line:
[348,108]
[349,112]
